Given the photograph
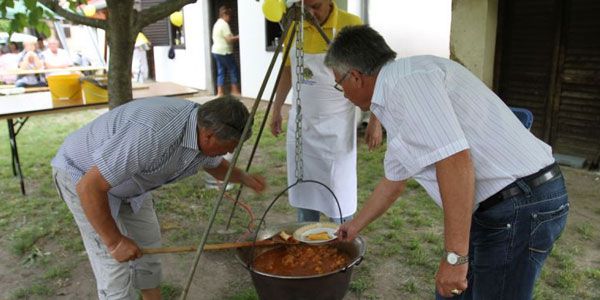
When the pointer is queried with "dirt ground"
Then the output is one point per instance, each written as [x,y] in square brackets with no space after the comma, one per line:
[219,274]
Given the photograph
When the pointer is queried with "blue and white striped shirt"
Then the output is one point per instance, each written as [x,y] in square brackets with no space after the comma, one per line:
[433,108]
[138,146]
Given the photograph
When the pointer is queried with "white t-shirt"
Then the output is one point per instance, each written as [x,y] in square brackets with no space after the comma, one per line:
[433,108]
[60,58]
[9,61]
[220,31]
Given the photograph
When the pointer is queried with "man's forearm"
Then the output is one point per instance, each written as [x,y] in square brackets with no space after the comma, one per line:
[456,180]
[93,193]
[221,170]
[98,213]
[380,200]
[285,84]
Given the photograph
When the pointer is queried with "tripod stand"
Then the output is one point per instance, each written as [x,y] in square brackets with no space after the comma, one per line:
[293,19]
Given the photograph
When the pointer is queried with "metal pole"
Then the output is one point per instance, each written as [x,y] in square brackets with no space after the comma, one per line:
[264,121]
[200,248]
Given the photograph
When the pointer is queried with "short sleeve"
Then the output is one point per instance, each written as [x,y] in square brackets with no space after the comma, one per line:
[430,130]
[126,153]
[225,30]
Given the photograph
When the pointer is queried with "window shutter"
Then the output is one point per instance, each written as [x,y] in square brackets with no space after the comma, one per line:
[157,32]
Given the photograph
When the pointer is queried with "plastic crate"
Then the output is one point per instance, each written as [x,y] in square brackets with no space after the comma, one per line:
[95,90]
[65,89]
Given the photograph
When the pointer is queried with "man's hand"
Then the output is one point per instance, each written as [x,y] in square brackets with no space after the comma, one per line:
[255,182]
[449,278]
[125,250]
[276,121]
[347,231]
[373,133]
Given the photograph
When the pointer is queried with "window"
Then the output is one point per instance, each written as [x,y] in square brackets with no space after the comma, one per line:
[273,35]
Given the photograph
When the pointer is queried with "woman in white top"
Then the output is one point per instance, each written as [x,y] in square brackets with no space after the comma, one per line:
[222,51]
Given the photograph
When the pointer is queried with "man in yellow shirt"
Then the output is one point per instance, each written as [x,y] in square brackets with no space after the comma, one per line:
[328,124]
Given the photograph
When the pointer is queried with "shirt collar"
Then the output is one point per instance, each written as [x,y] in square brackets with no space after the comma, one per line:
[190,137]
[331,21]
[378,90]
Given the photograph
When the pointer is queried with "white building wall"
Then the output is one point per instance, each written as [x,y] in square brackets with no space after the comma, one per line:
[413,27]
[254,59]
[189,65]
[410,28]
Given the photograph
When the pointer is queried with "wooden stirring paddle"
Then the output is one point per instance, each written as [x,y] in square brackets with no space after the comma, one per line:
[274,240]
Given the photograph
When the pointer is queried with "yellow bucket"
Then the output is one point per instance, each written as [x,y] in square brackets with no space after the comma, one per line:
[93,91]
[65,89]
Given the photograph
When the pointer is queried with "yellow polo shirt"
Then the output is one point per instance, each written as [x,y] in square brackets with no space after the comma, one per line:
[313,42]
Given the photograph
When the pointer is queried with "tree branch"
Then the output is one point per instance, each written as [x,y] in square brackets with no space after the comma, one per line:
[79,19]
[159,11]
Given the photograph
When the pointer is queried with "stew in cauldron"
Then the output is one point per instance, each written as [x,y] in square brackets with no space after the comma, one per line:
[301,260]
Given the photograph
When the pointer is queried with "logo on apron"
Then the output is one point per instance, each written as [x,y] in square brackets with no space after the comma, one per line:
[307,75]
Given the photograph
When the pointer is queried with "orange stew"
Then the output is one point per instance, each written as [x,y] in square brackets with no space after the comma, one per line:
[301,260]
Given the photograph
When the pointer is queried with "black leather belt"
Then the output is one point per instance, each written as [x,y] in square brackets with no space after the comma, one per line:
[546,174]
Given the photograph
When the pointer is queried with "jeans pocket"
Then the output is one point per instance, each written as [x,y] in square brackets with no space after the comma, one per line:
[490,229]
[546,227]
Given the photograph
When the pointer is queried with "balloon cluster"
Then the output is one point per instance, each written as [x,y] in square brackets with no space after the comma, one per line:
[274,10]
[176,18]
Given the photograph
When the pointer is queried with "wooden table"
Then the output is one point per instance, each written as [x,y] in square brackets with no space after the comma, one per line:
[17,109]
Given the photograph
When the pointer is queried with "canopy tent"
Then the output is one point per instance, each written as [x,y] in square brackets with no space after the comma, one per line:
[19,7]
[16,37]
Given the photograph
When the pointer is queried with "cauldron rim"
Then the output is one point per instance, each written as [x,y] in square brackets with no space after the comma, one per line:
[356,261]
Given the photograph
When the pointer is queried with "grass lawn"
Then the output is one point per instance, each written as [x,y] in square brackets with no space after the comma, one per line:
[42,254]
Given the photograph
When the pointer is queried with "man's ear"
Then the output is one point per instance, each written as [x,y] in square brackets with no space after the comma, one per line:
[204,134]
[356,77]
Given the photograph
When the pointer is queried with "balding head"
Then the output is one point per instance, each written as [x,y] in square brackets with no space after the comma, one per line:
[53,45]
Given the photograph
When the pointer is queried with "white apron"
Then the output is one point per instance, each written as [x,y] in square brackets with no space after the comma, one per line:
[329,142]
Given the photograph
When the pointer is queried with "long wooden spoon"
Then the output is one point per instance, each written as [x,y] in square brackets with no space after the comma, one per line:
[276,239]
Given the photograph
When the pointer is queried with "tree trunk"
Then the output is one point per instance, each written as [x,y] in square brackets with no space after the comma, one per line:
[121,40]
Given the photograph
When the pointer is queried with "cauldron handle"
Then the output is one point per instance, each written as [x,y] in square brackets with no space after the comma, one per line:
[262,219]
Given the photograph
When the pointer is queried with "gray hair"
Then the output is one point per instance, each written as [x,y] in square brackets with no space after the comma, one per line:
[358,47]
[225,116]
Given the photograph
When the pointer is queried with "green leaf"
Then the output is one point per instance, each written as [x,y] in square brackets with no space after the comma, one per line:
[30,4]
[34,16]
[15,26]
[21,19]
[43,28]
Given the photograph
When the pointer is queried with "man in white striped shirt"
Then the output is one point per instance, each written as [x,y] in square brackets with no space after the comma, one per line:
[106,170]
[455,137]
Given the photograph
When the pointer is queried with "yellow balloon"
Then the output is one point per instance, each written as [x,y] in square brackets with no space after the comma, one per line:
[273,10]
[176,18]
[89,10]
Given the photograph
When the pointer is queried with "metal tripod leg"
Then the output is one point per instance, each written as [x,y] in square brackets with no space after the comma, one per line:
[262,125]
[200,248]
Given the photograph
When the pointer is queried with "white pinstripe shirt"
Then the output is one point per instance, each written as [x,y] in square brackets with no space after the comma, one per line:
[433,108]
[138,147]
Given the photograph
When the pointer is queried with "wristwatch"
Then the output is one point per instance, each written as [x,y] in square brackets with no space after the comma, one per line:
[454,259]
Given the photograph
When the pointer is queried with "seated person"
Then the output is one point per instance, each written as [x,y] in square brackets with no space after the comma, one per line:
[8,61]
[56,58]
[29,59]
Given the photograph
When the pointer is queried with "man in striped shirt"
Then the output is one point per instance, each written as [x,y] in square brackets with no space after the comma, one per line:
[455,137]
[106,170]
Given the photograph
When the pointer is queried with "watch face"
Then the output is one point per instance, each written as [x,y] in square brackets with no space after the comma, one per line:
[452,258]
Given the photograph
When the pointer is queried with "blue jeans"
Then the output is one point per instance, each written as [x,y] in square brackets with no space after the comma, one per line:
[226,63]
[511,240]
[309,215]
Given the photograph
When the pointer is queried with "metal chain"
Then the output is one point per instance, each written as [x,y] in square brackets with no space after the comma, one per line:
[299,81]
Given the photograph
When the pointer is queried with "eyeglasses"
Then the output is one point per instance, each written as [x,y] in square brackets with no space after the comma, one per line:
[337,84]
